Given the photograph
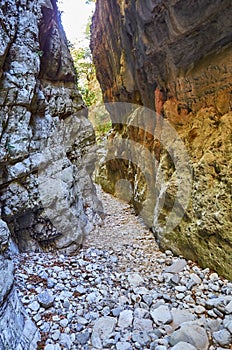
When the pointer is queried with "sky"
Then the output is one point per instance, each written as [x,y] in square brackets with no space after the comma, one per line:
[74,18]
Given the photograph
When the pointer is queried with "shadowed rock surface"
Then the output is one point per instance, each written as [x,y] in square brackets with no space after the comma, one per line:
[181,46]
[174,57]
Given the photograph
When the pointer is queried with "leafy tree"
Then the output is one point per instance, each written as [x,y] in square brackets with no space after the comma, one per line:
[85,70]
[88,85]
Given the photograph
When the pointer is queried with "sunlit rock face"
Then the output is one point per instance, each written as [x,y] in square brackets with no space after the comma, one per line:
[175,58]
[47,153]
[47,143]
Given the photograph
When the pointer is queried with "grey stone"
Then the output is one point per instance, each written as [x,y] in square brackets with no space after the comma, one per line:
[43,274]
[82,320]
[228,308]
[175,279]
[50,347]
[180,288]
[183,346]
[80,289]
[73,283]
[4,235]
[78,327]
[6,278]
[64,322]
[123,346]
[116,311]
[181,316]
[96,340]
[162,315]
[141,313]
[15,326]
[46,299]
[135,279]
[63,275]
[199,309]
[194,280]
[83,338]
[222,337]
[104,326]
[140,290]
[228,325]
[55,335]
[34,306]
[141,337]
[148,299]
[143,324]
[176,267]
[213,325]
[114,259]
[192,334]
[125,319]
[180,296]
[66,304]
[65,340]
[91,298]
[51,282]
[45,327]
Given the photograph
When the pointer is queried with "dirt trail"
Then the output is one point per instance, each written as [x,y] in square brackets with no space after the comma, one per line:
[120,292]
[124,233]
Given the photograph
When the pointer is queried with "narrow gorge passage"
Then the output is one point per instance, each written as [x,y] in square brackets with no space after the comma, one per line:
[120,292]
[116,289]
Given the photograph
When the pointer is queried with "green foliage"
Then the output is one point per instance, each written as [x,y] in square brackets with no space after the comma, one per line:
[101,130]
[40,53]
[89,87]
[86,78]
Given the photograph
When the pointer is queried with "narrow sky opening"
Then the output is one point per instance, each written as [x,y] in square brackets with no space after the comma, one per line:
[75,15]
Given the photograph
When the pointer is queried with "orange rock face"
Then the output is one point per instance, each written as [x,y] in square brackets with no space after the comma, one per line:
[175,58]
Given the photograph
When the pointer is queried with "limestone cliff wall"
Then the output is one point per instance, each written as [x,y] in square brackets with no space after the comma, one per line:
[172,157]
[47,143]
[47,151]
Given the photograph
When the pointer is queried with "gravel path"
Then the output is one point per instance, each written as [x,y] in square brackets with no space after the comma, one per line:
[120,292]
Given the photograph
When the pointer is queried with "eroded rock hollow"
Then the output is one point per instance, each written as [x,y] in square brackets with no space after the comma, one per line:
[173,58]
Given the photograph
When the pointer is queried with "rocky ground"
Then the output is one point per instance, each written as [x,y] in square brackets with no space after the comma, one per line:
[120,292]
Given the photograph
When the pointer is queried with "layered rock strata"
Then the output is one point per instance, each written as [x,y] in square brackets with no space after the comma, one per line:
[47,143]
[47,153]
[171,157]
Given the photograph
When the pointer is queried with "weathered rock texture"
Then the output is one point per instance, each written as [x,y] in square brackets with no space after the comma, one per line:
[47,143]
[17,331]
[174,57]
[47,150]
[181,46]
